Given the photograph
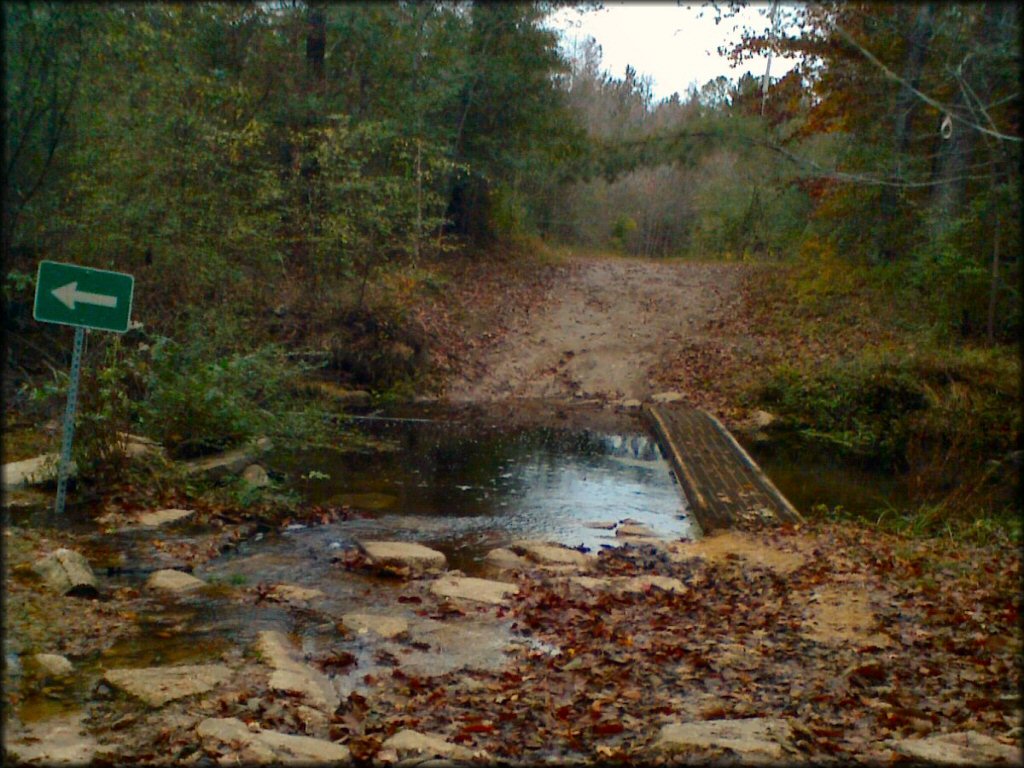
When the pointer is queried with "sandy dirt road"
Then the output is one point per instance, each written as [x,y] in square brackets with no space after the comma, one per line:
[599,332]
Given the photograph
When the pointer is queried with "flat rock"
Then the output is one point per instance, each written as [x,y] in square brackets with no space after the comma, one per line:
[53,664]
[635,529]
[294,676]
[548,554]
[602,525]
[661,398]
[476,590]
[268,747]
[255,476]
[67,572]
[404,555]
[751,739]
[35,471]
[228,463]
[962,748]
[382,626]
[158,685]
[292,593]
[162,517]
[506,560]
[630,404]
[220,465]
[169,580]
[137,446]
[53,741]
[409,743]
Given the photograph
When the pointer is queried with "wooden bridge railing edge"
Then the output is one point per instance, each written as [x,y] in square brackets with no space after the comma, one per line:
[755,468]
[704,514]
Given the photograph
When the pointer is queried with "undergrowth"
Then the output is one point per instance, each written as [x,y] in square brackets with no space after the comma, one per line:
[897,391]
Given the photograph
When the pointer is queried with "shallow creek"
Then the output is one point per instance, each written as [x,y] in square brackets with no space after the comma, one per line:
[458,484]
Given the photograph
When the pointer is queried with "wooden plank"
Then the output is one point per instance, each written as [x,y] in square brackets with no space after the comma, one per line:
[724,485]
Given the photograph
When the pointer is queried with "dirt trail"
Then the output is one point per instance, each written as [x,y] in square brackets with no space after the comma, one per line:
[598,334]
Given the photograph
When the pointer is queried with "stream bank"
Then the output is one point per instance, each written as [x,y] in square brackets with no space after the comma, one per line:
[625,645]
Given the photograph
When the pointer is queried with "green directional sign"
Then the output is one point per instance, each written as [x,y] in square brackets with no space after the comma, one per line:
[84,297]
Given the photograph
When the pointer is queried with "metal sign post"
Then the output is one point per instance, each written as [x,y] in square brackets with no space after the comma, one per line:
[85,298]
[69,421]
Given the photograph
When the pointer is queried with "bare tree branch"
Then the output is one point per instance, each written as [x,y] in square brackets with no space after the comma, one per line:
[923,96]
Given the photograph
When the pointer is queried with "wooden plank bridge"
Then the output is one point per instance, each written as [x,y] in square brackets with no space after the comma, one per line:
[723,484]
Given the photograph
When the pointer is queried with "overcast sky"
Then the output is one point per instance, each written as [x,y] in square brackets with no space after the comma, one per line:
[671,43]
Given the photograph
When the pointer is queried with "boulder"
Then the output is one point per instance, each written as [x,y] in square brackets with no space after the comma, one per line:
[476,590]
[53,664]
[296,677]
[255,476]
[409,743]
[68,573]
[157,685]
[382,626]
[962,748]
[752,739]
[268,747]
[169,580]
[401,555]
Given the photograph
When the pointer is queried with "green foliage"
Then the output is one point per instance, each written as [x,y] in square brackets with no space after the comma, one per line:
[107,410]
[938,413]
[954,270]
[201,398]
[863,407]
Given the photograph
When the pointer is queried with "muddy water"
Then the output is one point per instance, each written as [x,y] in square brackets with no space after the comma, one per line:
[811,475]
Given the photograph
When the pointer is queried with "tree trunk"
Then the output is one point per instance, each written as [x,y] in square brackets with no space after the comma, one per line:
[906,101]
[316,42]
[994,287]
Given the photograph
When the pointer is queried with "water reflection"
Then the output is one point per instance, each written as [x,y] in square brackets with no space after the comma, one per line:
[466,487]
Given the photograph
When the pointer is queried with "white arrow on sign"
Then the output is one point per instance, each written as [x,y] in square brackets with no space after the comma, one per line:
[69,294]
